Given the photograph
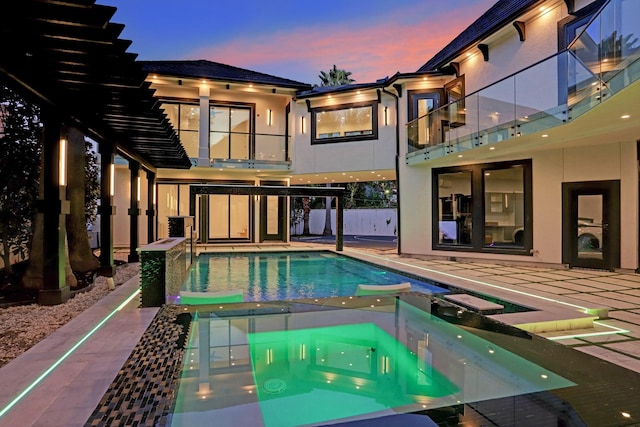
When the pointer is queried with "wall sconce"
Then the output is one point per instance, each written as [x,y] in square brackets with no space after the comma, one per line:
[138,195]
[302,125]
[386,116]
[269,116]
[112,179]
[62,163]
[154,195]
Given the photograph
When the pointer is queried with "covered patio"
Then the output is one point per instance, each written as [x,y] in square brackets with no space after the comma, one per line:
[66,56]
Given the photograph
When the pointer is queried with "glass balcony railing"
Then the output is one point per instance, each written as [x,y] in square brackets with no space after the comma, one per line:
[268,151]
[600,62]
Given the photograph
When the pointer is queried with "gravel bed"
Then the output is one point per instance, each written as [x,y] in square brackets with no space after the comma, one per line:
[21,327]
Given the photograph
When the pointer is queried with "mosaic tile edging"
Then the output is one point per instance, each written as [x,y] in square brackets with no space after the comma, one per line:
[143,392]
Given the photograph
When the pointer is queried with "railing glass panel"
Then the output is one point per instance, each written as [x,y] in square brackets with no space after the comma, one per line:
[600,62]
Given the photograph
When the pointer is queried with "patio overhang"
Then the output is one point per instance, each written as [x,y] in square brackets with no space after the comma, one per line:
[66,55]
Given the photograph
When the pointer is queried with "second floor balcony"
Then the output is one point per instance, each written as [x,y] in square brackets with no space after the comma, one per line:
[600,62]
[238,150]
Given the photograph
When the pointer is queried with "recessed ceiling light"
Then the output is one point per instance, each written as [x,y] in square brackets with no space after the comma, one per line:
[545,136]
[625,116]
[459,155]
[492,148]
[625,414]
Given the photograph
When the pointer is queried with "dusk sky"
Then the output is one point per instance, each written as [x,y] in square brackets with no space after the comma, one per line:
[296,39]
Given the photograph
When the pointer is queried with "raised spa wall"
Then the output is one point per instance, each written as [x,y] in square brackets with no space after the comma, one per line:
[163,268]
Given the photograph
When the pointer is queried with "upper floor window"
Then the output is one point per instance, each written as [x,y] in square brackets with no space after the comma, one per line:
[346,122]
[230,132]
[185,119]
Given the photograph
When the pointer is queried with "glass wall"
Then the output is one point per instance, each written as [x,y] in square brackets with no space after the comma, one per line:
[484,207]
[185,119]
[344,123]
[228,217]
[504,207]
[229,132]
[454,208]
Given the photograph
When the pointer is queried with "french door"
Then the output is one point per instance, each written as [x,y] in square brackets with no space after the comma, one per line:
[591,224]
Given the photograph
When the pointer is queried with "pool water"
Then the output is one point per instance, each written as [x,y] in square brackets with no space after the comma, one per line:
[290,275]
[322,367]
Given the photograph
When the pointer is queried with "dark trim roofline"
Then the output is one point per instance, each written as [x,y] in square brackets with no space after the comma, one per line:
[219,72]
[498,16]
[380,84]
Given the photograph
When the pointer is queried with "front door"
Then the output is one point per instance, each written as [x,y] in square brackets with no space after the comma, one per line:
[591,224]
[272,218]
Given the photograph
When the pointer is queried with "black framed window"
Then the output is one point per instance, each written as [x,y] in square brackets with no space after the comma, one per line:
[185,118]
[346,122]
[483,208]
[230,131]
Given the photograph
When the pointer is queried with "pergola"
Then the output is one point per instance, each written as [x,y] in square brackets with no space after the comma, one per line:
[273,190]
[65,56]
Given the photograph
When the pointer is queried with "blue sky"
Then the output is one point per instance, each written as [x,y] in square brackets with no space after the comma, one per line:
[297,39]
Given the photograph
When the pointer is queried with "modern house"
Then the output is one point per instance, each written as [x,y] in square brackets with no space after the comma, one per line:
[516,142]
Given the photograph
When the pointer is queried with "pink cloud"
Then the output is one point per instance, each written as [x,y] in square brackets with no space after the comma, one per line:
[369,52]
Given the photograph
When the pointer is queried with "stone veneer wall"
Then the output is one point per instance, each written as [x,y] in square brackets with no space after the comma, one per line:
[163,269]
[143,392]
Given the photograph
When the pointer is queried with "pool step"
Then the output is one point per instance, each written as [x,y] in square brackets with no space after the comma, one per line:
[547,321]
[475,304]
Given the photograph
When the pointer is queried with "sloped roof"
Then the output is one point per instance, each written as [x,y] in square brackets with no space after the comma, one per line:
[66,55]
[502,13]
[203,69]
[325,90]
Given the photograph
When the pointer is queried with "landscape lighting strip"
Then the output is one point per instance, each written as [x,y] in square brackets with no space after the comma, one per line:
[62,358]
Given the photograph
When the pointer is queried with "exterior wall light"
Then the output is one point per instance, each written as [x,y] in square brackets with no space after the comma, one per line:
[269,117]
[138,195]
[112,180]
[62,163]
[302,125]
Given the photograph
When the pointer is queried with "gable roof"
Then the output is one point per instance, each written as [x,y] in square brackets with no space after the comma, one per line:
[502,13]
[203,69]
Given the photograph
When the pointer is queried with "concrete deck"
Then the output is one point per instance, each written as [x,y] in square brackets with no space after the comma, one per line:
[69,393]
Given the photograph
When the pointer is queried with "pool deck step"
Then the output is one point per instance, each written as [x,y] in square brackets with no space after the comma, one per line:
[476,304]
[547,321]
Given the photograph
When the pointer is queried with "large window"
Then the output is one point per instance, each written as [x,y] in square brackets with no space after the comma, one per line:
[343,123]
[230,132]
[185,119]
[483,208]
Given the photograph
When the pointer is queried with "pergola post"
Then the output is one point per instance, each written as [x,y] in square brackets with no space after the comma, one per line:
[134,211]
[107,210]
[54,208]
[151,206]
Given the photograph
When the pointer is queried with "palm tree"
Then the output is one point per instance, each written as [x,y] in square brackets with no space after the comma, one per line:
[335,77]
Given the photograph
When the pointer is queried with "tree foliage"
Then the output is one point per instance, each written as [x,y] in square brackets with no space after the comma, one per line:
[20,145]
[335,77]
[91,183]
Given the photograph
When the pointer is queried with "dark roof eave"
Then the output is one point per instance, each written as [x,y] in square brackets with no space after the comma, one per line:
[446,55]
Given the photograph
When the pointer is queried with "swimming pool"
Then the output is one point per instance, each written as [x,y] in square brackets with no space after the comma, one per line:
[382,358]
[289,275]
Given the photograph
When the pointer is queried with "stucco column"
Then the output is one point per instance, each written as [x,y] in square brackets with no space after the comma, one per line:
[203,134]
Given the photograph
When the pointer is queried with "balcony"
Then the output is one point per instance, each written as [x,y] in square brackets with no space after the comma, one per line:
[600,62]
[238,150]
